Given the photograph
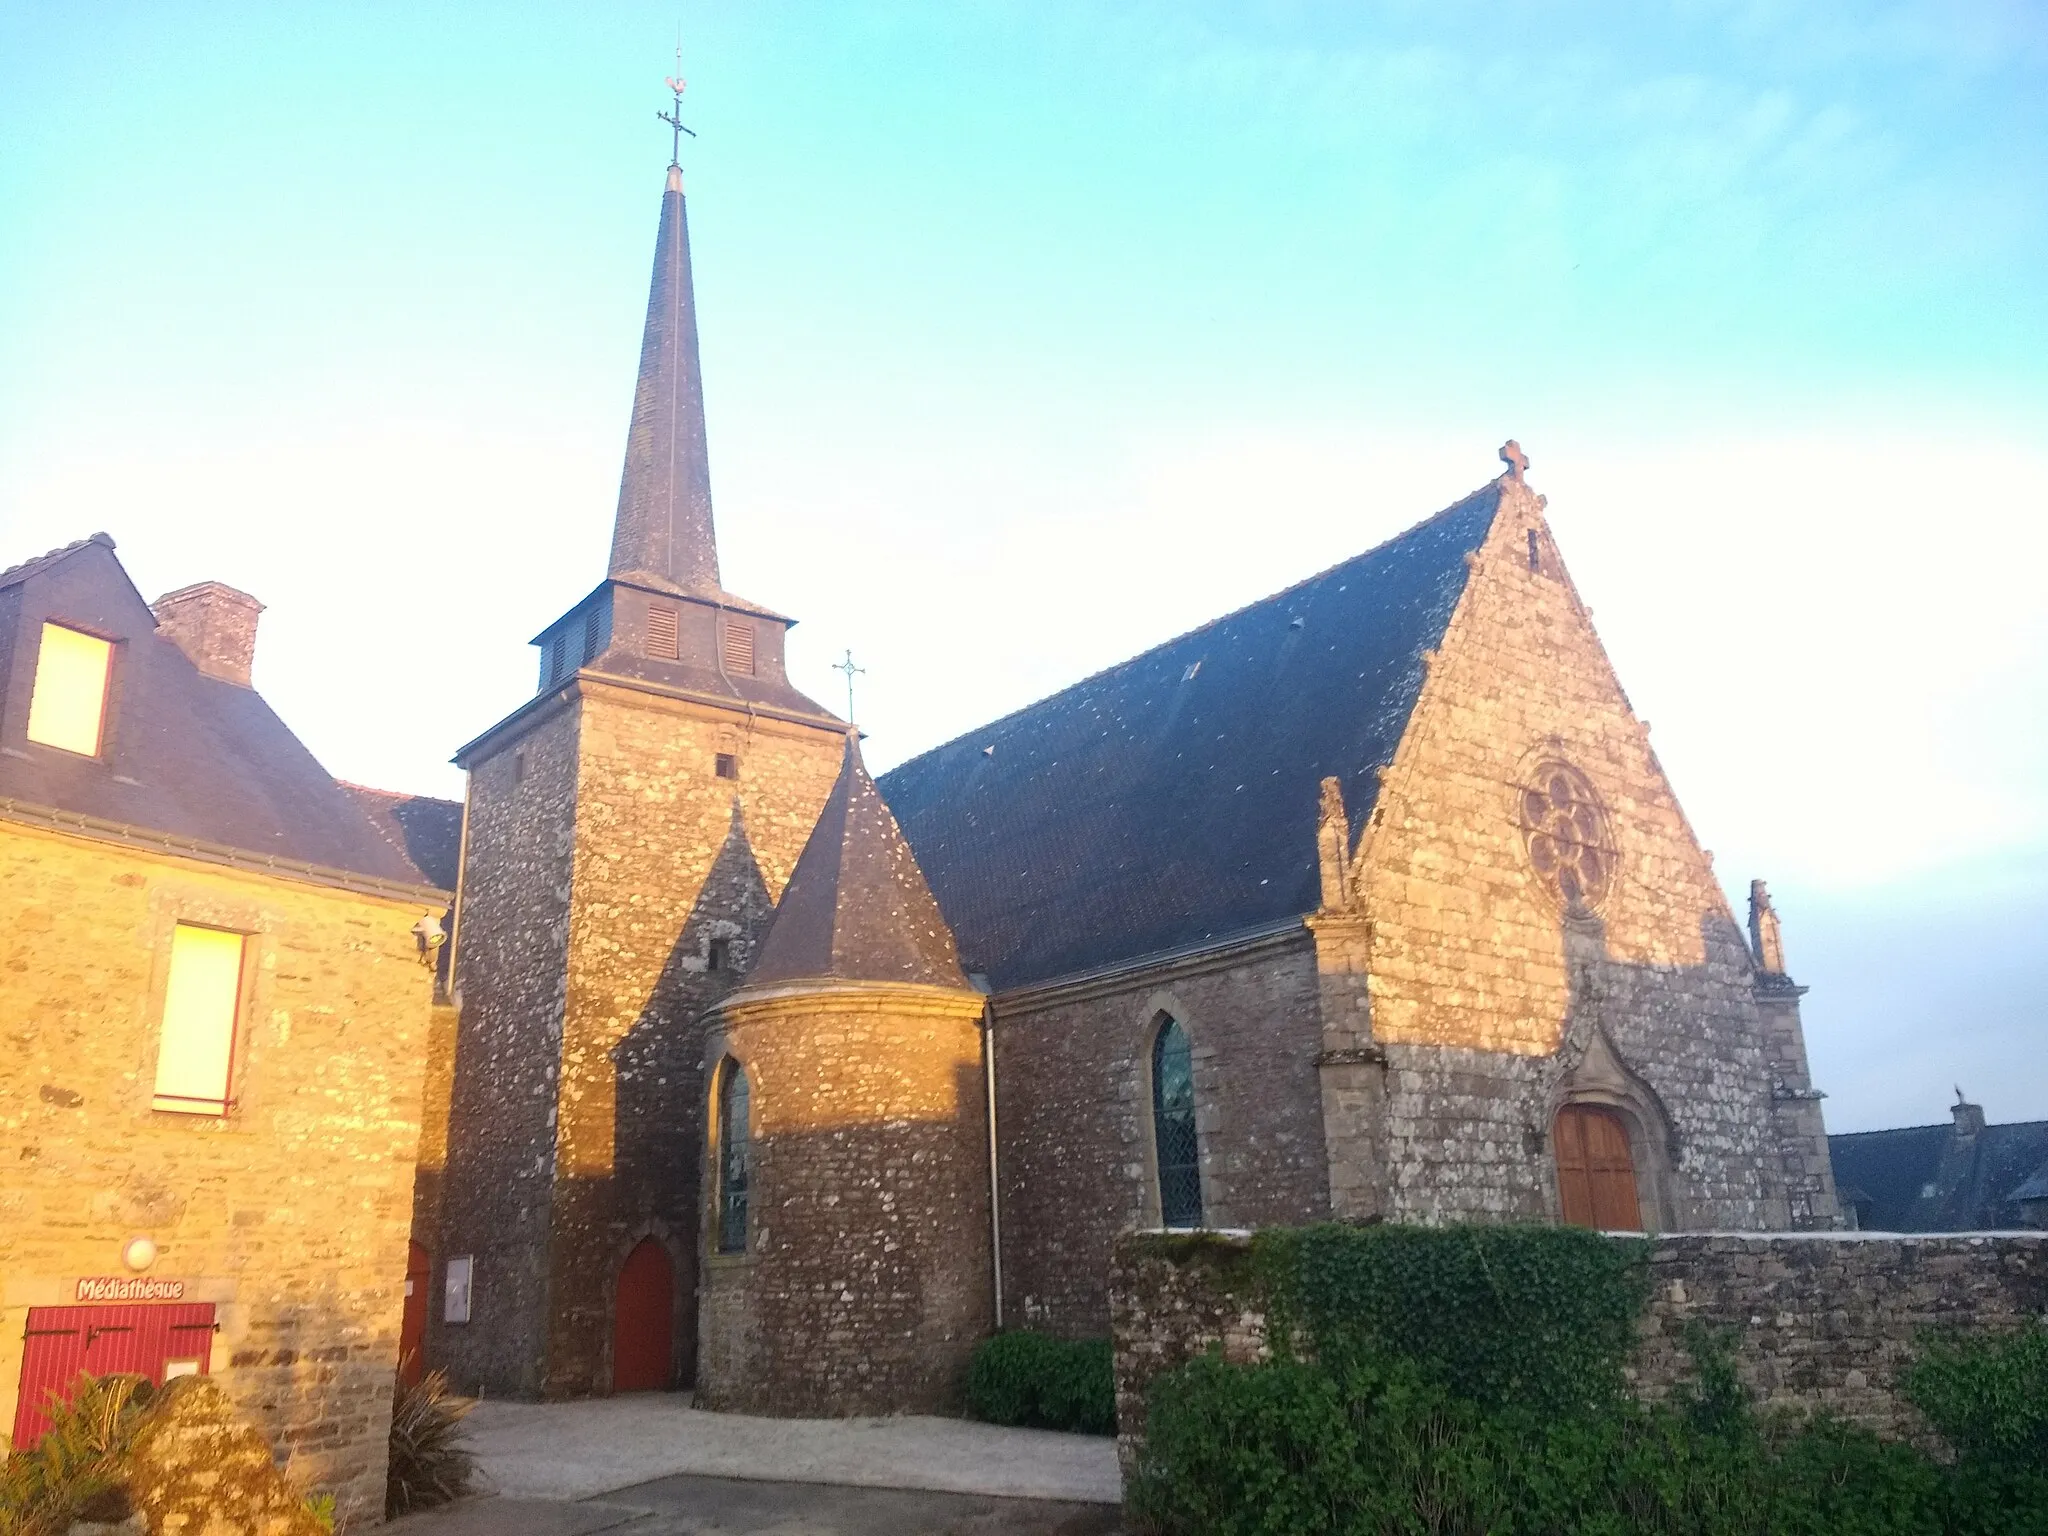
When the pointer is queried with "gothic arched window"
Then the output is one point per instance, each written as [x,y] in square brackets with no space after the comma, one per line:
[1173,1127]
[734,1158]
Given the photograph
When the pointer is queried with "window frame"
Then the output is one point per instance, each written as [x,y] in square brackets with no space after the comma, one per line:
[1166,1026]
[103,720]
[188,1106]
[730,1070]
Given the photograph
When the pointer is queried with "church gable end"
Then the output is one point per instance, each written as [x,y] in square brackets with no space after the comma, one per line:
[1526,867]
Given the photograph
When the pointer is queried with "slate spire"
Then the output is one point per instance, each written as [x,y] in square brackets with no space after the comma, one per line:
[857,907]
[664,534]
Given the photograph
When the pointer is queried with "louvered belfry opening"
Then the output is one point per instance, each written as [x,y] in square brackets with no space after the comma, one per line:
[663,632]
[739,647]
[1173,1127]
[1596,1174]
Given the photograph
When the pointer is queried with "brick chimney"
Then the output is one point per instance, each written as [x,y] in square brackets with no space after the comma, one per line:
[213,624]
[1969,1117]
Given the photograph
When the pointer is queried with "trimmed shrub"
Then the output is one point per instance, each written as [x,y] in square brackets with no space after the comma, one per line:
[1019,1377]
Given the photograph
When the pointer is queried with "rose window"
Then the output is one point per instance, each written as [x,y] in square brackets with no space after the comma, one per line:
[1565,831]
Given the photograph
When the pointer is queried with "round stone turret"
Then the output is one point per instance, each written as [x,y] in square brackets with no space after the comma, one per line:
[846,1247]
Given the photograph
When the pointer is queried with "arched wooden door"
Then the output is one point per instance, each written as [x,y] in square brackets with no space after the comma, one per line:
[1596,1176]
[643,1321]
[412,1326]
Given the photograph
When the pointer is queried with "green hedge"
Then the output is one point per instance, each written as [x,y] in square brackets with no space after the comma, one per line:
[1047,1383]
[1448,1380]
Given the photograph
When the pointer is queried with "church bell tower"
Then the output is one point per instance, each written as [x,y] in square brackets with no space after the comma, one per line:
[629,830]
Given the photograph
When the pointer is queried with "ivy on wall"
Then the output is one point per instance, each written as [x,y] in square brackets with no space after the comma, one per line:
[1541,1316]
[1470,1379]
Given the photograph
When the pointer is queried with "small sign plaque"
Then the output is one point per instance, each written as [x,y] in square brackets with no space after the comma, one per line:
[128,1288]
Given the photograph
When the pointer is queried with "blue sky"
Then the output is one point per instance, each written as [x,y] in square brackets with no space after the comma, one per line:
[1035,333]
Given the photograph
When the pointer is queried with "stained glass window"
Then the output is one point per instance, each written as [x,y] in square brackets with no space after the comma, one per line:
[733,1159]
[1566,833]
[1173,1128]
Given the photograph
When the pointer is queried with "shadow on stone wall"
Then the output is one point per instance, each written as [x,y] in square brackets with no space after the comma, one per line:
[1678,1050]
[317,1380]
[657,1092]
[870,1281]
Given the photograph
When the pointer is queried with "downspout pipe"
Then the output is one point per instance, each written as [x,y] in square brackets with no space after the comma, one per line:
[979,981]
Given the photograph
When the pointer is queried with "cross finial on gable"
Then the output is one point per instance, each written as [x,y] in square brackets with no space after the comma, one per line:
[1517,461]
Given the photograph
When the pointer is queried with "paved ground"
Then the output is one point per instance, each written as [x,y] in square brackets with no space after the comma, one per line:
[688,1506]
[593,1448]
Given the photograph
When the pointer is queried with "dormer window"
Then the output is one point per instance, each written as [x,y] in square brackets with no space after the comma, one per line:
[739,647]
[68,709]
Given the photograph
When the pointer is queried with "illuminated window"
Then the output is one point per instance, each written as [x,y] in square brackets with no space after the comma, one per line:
[734,1162]
[1173,1127]
[195,1059]
[69,704]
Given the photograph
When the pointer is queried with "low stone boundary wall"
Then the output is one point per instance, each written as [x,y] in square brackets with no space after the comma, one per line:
[1818,1320]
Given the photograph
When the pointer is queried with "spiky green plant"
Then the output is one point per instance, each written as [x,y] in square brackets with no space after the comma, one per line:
[429,1463]
[77,1463]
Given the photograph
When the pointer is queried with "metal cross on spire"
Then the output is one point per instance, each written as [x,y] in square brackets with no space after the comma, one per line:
[674,115]
[850,670]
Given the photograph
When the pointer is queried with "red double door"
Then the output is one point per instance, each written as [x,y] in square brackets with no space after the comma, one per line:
[144,1339]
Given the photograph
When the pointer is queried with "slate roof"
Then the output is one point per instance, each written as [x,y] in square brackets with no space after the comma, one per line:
[856,907]
[428,831]
[187,756]
[1173,799]
[664,532]
[1929,1178]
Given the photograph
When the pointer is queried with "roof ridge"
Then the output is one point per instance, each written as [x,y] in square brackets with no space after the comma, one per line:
[27,567]
[395,794]
[1461,504]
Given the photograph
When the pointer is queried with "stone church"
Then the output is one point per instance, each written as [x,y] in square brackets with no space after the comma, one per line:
[1368,901]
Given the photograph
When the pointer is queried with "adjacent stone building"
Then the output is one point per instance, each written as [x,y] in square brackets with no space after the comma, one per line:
[1965,1176]
[217,1013]
[1370,900]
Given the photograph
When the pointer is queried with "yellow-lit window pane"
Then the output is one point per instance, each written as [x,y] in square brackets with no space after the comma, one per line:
[198,1047]
[71,690]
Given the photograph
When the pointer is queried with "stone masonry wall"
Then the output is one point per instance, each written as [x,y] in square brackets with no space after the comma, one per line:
[512,932]
[1818,1320]
[1828,1320]
[290,1213]
[865,1284]
[1485,985]
[669,859]
[1074,1116]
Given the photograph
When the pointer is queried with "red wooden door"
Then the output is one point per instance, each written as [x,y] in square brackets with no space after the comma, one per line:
[145,1339]
[1596,1176]
[412,1325]
[643,1322]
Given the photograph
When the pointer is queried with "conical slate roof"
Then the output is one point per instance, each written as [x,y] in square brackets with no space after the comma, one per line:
[857,907]
[664,532]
